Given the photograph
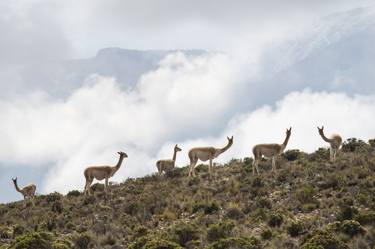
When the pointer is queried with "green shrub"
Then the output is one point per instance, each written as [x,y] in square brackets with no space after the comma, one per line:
[264,202]
[323,240]
[275,220]
[305,194]
[82,241]
[351,228]
[73,193]
[89,199]
[57,207]
[52,197]
[319,155]
[292,155]
[60,246]
[141,231]
[353,144]
[219,231]
[346,212]
[366,218]
[18,230]
[32,241]
[153,242]
[97,187]
[184,233]
[372,143]
[266,234]
[5,232]
[330,182]
[294,228]
[208,207]
[175,173]
[236,243]
[234,213]
[257,182]
[132,208]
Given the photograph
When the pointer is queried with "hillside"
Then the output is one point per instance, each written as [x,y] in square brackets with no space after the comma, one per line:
[308,203]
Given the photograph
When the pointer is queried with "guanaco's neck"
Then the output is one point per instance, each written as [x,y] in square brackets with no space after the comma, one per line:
[16,185]
[324,137]
[226,147]
[118,165]
[174,155]
[284,144]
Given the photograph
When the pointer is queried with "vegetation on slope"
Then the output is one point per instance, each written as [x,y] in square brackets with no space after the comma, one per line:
[308,203]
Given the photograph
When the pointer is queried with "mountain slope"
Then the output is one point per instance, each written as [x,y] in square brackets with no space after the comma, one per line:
[308,203]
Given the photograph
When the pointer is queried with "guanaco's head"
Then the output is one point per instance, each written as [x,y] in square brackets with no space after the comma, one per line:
[230,140]
[321,132]
[289,131]
[176,148]
[122,154]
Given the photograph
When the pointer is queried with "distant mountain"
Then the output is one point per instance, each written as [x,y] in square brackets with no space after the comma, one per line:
[60,78]
[337,55]
[123,64]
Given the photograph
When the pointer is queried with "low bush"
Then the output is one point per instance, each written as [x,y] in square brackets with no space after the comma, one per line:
[236,243]
[73,193]
[366,218]
[153,242]
[346,212]
[219,231]
[305,194]
[82,241]
[275,220]
[52,197]
[234,213]
[292,155]
[208,207]
[32,241]
[352,228]
[294,228]
[323,240]
[183,233]
[266,234]
[353,144]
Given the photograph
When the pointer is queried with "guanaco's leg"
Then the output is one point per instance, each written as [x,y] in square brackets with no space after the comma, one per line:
[273,164]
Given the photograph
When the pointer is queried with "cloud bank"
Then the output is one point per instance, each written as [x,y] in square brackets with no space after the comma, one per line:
[185,101]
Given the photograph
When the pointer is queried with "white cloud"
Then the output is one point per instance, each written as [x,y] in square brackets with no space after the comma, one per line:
[304,111]
[184,97]
[186,100]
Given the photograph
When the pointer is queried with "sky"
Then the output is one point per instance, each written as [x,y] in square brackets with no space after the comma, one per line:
[269,66]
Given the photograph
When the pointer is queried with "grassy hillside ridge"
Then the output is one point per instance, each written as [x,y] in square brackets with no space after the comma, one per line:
[308,203]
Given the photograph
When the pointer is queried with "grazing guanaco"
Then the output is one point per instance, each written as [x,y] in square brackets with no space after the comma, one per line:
[270,151]
[204,154]
[334,141]
[168,164]
[102,172]
[28,191]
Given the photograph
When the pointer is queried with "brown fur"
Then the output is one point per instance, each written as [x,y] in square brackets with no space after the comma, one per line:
[269,151]
[101,172]
[334,141]
[204,154]
[166,165]
[28,191]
